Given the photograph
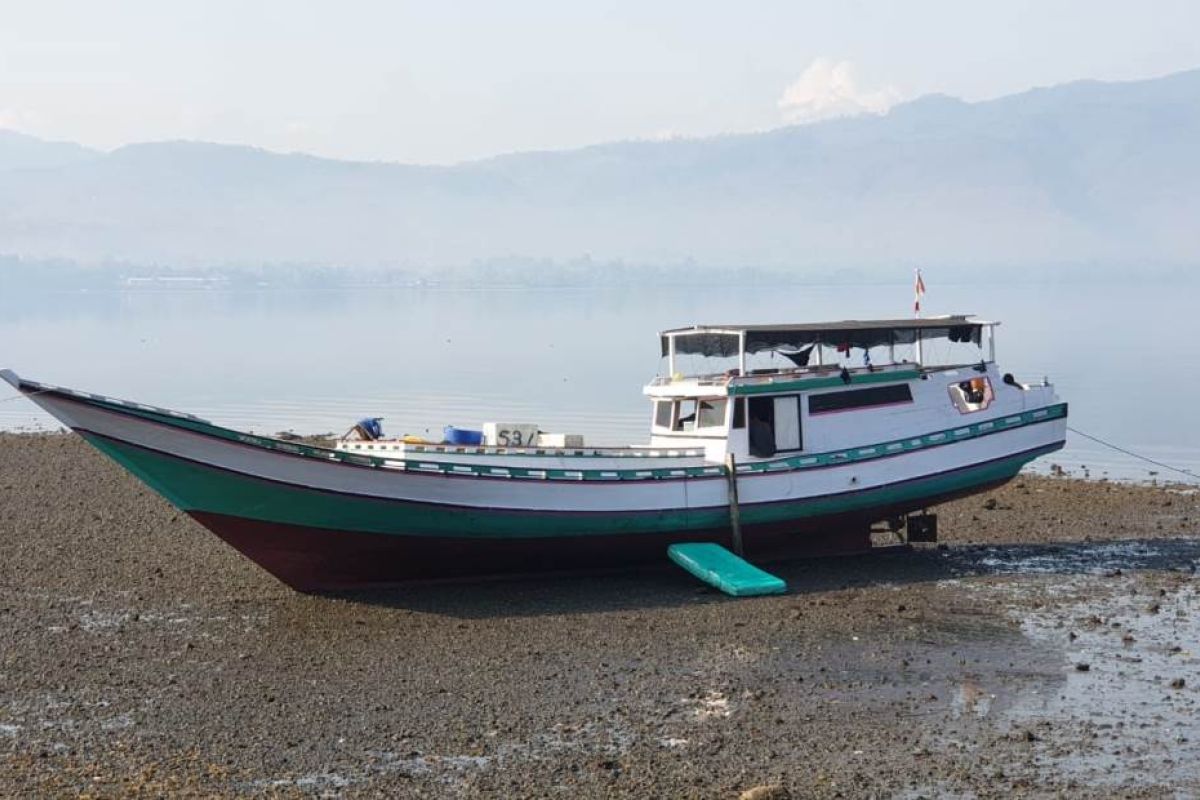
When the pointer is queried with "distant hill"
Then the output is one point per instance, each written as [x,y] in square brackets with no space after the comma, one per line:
[1084,173]
[18,151]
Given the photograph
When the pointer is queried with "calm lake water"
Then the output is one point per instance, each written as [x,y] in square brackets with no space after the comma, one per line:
[573,360]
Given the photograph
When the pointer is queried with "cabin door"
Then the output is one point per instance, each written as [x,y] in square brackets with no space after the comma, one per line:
[774,425]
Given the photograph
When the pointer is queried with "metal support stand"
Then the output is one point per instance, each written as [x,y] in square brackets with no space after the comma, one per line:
[921,528]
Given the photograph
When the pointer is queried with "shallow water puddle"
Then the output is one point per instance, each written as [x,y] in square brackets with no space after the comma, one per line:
[1182,554]
[1126,706]
[971,699]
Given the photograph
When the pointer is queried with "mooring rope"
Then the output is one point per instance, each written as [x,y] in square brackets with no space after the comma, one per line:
[23,395]
[1147,459]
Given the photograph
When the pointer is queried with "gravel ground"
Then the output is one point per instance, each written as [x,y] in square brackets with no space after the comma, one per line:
[1050,650]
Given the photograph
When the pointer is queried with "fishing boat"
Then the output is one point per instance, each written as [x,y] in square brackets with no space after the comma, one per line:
[785,436]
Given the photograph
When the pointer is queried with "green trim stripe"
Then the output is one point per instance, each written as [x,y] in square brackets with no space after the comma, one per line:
[197,487]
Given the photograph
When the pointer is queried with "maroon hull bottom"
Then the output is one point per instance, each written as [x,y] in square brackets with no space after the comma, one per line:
[318,559]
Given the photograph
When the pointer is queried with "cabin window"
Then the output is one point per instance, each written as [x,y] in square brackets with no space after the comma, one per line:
[739,414]
[712,413]
[663,411]
[859,398]
[685,420]
[691,414]
[972,395]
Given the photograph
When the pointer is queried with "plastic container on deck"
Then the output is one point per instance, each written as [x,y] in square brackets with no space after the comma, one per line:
[462,435]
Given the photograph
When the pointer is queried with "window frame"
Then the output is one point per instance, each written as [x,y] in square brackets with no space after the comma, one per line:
[719,429]
[958,395]
[713,402]
[655,423]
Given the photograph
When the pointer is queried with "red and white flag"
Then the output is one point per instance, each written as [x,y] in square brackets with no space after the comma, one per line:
[918,292]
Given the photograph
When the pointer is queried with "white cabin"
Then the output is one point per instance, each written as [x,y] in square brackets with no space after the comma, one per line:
[765,391]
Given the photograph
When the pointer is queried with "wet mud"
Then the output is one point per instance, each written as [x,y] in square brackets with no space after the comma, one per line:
[1048,648]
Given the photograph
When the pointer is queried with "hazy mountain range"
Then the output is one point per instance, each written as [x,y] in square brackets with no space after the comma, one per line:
[1088,173]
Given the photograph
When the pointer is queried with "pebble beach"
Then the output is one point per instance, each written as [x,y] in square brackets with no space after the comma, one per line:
[1048,647]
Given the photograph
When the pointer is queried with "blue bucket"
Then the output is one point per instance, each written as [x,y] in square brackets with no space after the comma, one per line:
[455,435]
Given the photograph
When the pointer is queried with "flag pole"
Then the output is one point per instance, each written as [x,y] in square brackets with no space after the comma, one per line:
[918,291]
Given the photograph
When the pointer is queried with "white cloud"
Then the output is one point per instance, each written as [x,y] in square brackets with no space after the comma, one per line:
[828,89]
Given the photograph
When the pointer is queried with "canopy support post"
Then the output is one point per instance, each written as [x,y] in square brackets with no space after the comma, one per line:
[991,330]
[671,357]
[741,355]
[920,355]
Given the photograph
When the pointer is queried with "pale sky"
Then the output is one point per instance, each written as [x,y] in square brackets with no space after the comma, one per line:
[438,82]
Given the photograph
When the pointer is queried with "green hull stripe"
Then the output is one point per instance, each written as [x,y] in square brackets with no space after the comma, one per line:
[196,487]
[739,390]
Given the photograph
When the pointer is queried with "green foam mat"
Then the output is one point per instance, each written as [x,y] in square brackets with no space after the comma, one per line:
[718,567]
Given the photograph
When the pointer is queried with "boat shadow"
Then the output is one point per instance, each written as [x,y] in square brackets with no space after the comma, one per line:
[664,586]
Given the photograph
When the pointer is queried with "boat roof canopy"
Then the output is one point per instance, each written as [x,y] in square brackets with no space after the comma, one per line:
[726,340]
